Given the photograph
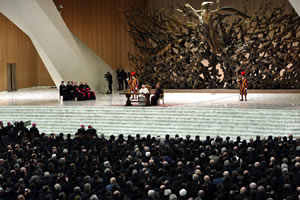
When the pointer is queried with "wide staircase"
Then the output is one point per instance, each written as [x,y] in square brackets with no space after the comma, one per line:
[158,121]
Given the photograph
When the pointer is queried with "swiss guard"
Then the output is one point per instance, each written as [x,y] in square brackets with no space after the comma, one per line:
[133,85]
[243,85]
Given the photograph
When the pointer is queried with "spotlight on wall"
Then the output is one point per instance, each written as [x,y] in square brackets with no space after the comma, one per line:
[60,8]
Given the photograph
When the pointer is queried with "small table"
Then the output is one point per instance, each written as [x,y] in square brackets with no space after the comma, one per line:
[128,95]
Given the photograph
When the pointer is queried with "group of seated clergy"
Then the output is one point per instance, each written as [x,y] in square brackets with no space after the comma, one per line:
[73,91]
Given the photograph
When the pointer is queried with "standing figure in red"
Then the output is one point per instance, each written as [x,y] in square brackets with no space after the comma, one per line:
[133,84]
[243,85]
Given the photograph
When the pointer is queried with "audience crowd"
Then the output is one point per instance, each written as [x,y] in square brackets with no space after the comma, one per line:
[88,167]
[73,91]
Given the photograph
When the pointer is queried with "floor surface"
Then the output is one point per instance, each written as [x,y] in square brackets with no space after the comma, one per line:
[211,98]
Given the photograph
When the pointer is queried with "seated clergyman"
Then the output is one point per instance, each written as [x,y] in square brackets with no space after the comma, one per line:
[158,93]
[142,93]
[144,90]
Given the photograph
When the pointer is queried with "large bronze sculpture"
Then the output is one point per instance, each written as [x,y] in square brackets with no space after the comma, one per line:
[206,49]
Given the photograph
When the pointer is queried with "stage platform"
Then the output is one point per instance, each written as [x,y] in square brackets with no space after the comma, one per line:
[185,112]
[257,99]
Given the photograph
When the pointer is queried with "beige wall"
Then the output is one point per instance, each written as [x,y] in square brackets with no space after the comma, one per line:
[64,55]
[16,47]
[100,24]
[42,75]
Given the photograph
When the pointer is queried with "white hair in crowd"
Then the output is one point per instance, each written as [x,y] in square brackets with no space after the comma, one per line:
[182,192]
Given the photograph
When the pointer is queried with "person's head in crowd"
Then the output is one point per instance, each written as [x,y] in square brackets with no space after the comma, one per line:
[21,197]
[183,192]
[173,197]
[243,190]
[206,178]
[252,186]
[94,197]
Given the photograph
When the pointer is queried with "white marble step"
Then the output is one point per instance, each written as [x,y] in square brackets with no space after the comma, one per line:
[225,115]
[186,124]
[154,121]
[201,121]
[159,120]
[203,132]
[233,127]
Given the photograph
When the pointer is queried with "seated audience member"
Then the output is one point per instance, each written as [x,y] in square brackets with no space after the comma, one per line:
[34,131]
[81,131]
[12,134]
[8,127]
[2,132]
[158,93]
[91,132]
[62,89]
[78,93]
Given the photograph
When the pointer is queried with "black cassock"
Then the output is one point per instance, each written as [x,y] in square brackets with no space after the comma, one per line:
[34,132]
[62,90]
[70,95]
[158,92]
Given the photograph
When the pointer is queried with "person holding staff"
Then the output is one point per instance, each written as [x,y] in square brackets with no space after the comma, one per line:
[243,85]
[133,84]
